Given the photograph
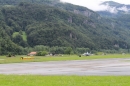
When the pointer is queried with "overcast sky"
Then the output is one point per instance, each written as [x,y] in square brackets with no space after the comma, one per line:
[94,4]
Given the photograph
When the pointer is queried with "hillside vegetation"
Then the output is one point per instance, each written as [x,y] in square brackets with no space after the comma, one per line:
[32,24]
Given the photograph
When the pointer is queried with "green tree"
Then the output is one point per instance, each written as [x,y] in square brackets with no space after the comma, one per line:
[41,53]
[68,50]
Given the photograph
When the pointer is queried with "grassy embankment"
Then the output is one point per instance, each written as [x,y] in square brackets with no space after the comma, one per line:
[4,59]
[35,80]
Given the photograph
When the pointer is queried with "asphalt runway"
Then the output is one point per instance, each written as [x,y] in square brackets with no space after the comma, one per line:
[80,67]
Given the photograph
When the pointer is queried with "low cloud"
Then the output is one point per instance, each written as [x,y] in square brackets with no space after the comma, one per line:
[115,9]
[109,9]
[93,5]
[96,5]
[124,8]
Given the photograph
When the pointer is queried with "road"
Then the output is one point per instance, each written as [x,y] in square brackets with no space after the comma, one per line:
[79,67]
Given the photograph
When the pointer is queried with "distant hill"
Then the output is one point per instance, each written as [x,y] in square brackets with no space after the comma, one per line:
[112,4]
[114,9]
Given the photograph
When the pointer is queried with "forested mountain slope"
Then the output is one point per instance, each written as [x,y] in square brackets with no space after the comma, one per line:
[56,3]
[29,24]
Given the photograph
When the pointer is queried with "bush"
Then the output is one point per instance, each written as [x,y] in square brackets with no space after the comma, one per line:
[68,50]
[9,55]
[41,53]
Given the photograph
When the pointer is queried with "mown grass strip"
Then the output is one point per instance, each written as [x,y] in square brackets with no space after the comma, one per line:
[4,59]
[37,80]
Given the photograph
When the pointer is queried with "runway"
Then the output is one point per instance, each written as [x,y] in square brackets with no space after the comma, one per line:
[101,67]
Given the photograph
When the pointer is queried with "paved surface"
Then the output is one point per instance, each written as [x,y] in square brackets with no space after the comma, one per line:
[80,67]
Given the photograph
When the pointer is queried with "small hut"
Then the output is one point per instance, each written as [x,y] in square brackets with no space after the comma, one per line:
[32,53]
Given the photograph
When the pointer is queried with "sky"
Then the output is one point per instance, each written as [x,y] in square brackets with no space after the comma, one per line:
[94,4]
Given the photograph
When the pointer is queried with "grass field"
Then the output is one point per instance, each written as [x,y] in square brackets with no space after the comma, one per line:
[4,59]
[39,80]
[35,80]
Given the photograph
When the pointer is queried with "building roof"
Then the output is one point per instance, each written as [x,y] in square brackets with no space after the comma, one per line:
[32,53]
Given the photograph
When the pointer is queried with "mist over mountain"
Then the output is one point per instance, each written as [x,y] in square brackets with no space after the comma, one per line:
[114,9]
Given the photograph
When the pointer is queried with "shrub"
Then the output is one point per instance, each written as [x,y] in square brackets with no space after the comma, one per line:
[41,53]
[9,55]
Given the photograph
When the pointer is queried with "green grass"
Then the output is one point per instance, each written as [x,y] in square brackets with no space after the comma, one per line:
[4,59]
[37,80]
[15,33]
[24,36]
